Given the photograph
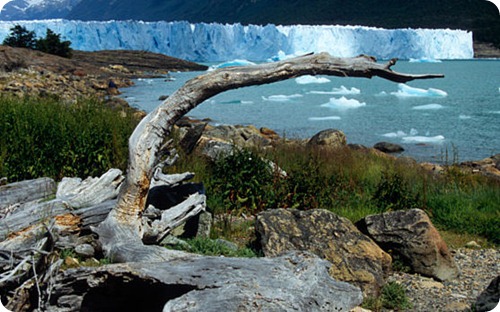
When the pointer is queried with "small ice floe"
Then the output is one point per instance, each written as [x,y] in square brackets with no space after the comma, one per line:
[308,79]
[407,91]
[339,91]
[343,103]
[281,97]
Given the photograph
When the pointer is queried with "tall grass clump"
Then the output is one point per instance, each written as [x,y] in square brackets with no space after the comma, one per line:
[44,137]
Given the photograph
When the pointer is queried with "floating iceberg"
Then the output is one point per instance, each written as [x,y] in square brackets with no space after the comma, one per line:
[407,91]
[339,91]
[214,42]
[424,60]
[308,79]
[343,103]
[400,134]
[281,97]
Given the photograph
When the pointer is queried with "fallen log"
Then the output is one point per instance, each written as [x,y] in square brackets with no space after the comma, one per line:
[296,281]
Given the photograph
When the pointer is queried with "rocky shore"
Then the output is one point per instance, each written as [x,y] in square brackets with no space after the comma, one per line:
[25,72]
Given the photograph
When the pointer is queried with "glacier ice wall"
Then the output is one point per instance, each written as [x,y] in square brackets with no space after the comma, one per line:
[221,42]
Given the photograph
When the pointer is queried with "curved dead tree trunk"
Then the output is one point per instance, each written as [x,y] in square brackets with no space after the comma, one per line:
[121,233]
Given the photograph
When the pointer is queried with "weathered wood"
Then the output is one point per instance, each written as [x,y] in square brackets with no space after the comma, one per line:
[293,282]
[91,191]
[25,191]
[146,141]
[175,216]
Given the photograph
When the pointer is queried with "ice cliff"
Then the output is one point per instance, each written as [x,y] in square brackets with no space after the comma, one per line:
[221,42]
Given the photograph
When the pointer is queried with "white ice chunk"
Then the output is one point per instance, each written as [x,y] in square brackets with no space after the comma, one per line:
[343,103]
[407,91]
[308,79]
[339,91]
[281,97]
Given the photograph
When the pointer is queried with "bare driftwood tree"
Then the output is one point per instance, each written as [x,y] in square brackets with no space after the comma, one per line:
[121,233]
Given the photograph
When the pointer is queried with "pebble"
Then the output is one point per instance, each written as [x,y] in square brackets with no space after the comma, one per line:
[478,268]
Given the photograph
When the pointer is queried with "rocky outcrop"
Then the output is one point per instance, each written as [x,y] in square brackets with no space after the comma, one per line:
[412,238]
[355,258]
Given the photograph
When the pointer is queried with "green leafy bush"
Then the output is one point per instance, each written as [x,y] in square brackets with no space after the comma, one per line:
[242,180]
[43,137]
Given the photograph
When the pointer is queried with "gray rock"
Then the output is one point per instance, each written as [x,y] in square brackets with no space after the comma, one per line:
[329,138]
[411,236]
[490,297]
[355,258]
[388,147]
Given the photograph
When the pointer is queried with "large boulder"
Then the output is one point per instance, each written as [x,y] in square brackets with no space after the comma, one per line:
[355,258]
[328,138]
[412,238]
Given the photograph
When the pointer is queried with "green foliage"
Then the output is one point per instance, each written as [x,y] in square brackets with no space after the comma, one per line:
[210,247]
[394,193]
[392,297]
[52,44]
[20,37]
[241,179]
[43,137]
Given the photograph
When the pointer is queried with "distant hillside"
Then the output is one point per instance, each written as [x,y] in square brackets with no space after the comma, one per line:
[480,16]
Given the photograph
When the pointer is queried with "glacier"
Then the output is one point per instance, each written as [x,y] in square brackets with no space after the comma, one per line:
[213,42]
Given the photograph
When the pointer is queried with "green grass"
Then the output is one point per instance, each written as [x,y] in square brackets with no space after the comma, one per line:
[44,137]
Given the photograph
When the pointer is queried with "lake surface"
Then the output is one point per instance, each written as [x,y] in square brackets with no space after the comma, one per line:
[438,120]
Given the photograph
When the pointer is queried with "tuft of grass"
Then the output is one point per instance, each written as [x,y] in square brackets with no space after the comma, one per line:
[210,247]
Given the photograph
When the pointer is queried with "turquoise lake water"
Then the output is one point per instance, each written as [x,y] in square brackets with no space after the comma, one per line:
[457,116]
